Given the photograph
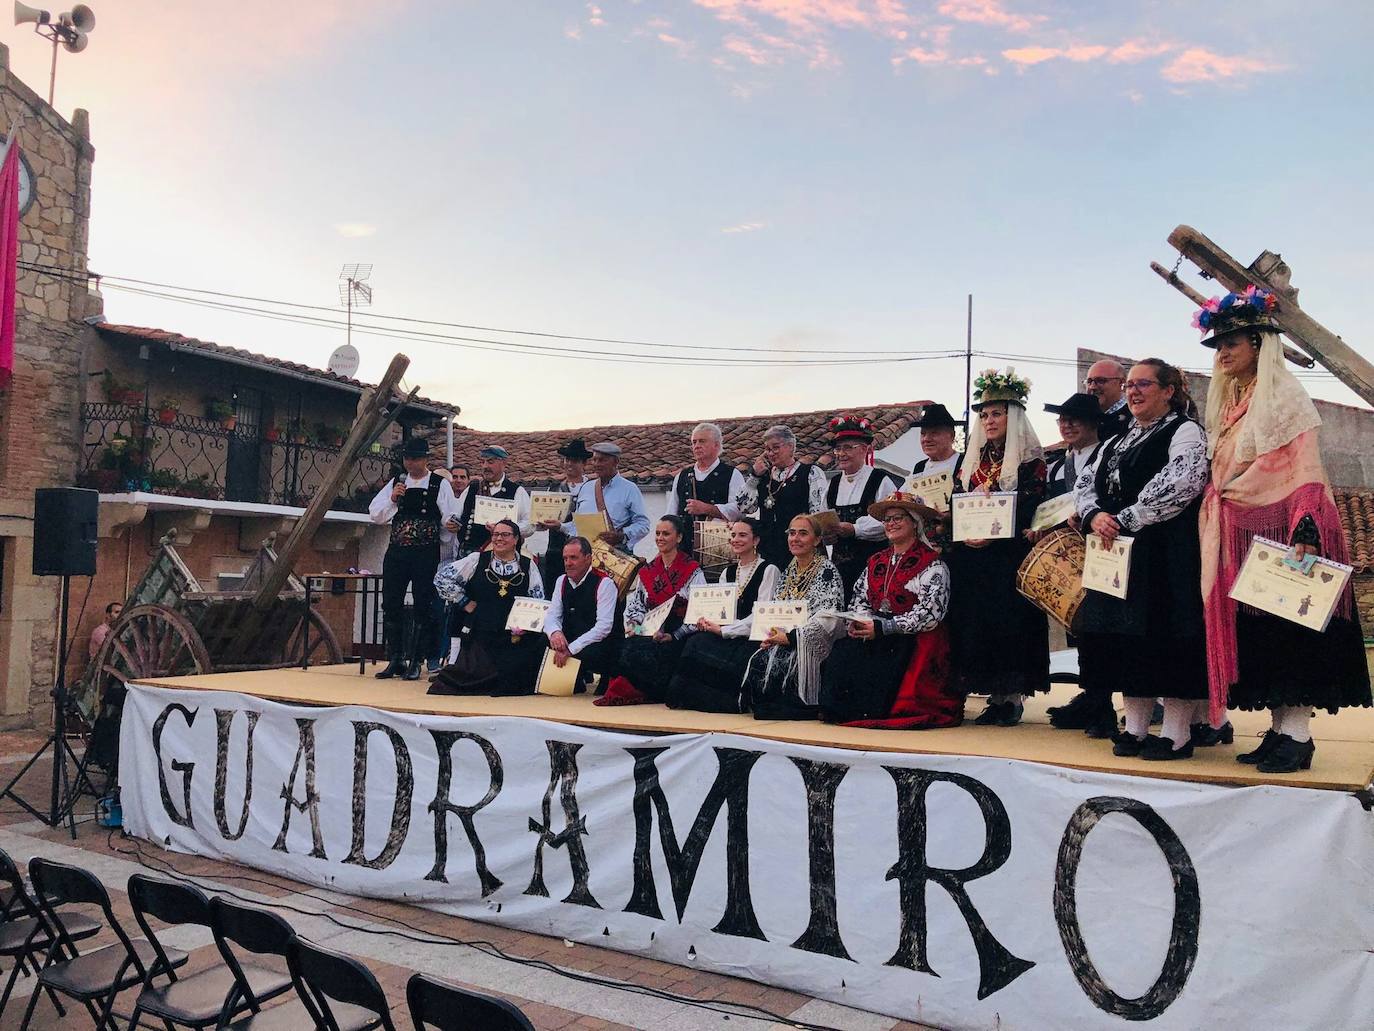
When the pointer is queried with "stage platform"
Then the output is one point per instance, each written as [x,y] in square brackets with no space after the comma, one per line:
[1344,759]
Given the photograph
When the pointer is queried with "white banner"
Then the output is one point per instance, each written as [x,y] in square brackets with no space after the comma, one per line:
[957,891]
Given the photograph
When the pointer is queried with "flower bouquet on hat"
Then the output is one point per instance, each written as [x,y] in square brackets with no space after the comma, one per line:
[1004,385]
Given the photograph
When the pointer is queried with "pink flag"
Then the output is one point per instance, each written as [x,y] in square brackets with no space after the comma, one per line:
[9,257]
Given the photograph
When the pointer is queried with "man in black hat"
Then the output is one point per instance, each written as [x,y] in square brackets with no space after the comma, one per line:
[575,455]
[416,505]
[937,428]
[1079,417]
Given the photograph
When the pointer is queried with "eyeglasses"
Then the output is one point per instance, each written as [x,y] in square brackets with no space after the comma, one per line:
[1099,381]
[502,533]
[848,447]
[1140,384]
[895,517]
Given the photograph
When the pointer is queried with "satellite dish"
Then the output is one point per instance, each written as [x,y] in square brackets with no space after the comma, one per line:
[344,361]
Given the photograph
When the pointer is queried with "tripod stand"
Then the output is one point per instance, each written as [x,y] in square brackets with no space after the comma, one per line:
[64,790]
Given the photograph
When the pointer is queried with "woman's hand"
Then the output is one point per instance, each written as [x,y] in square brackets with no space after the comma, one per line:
[776,639]
[705,624]
[550,524]
[862,630]
[1105,526]
[470,607]
[1301,551]
[978,542]
[662,638]
[1034,535]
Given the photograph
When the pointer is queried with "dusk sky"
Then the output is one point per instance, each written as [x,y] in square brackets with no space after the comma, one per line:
[830,176]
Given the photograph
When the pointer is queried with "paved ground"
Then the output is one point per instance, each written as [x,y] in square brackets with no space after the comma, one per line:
[383,935]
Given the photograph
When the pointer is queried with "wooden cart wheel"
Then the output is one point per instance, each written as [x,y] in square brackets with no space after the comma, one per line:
[150,641]
[324,644]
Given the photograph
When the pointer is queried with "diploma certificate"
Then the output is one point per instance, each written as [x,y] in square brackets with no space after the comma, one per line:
[986,517]
[930,489]
[591,525]
[527,614]
[555,681]
[777,615]
[1107,567]
[829,521]
[550,504]
[713,602]
[1270,585]
[492,510]
[655,618]
[1050,513]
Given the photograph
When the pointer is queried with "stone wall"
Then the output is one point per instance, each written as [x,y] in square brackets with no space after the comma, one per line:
[39,413]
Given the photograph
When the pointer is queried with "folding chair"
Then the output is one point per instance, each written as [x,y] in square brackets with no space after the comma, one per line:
[343,990]
[259,933]
[24,935]
[446,1007]
[96,976]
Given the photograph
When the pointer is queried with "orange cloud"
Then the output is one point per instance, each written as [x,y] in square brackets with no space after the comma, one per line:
[1198,64]
[920,55]
[1033,55]
[988,12]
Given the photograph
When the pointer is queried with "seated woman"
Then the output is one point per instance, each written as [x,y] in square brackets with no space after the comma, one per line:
[647,661]
[710,671]
[892,670]
[782,680]
[484,586]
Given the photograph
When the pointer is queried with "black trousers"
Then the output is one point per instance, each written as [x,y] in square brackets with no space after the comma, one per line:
[412,568]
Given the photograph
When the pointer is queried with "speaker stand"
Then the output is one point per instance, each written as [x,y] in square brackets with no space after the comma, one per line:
[64,789]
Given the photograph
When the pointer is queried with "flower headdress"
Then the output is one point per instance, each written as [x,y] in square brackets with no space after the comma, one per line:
[1006,385]
[853,427]
[1252,307]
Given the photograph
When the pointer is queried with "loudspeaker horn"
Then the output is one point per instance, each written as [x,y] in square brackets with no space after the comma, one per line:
[24,13]
[83,18]
[76,42]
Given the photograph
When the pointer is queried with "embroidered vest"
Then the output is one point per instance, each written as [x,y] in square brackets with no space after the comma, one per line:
[485,590]
[748,594]
[1135,467]
[847,551]
[779,504]
[416,523]
[887,583]
[715,489]
[473,537]
[579,605]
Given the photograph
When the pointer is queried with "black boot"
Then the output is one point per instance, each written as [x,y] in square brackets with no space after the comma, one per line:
[1261,753]
[1126,745]
[413,669]
[395,667]
[1078,714]
[1288,756]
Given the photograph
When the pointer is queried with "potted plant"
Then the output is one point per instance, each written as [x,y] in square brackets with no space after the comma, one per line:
[272,433]
[223,413]
[163,481]
[167,410]
[330,436]
[120,393]
[296,430]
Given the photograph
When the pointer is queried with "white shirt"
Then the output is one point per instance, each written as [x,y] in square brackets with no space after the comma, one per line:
[851,489]
[1080,462]
[383,508]
[739,498]
[606,597]
[522,504]
[768,583]
[944,465]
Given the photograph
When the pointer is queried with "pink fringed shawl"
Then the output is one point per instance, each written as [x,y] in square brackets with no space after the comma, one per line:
[1268,498]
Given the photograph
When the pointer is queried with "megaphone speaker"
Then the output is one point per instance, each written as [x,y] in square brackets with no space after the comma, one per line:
[83,18]
[76,42]
[23,13]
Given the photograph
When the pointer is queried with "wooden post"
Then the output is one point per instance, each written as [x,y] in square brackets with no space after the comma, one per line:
[1269,272]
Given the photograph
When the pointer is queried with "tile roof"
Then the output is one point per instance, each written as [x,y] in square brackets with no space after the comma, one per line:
[654,452]
[1356,508]
[185,343]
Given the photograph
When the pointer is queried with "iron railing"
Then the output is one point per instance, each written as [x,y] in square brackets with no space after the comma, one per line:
[132,448]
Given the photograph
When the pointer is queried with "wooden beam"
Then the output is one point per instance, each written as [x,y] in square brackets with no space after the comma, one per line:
[1270,273]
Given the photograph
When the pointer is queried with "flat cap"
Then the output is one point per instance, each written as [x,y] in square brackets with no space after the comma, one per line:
[494,451]
[606,447]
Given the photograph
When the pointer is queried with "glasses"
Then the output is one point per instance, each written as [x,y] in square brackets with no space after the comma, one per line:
[1140,384]
[1100,381]
[503,533]
[895,517]
[848,447]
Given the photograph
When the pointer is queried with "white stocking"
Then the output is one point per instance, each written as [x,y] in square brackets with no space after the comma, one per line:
[1138,716]
[454,642]
[1201,714]
[1178,717]
[1294,720]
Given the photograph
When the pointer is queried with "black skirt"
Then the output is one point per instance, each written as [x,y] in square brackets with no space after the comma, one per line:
[859,680]
[1000,642]
[1282,663]
[710,674]
[649,664]
[490,662]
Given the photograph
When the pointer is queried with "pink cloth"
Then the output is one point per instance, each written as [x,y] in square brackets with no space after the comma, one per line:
[9,259]
[98,635]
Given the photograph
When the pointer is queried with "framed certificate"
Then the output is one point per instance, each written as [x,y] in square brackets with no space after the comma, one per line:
[550,504]
[829,520]
[1107,567]
[930,489]
[555,681]
[492,510]
[655,618]
[985,517]
[1052,512]
[777,615]
[715,602]
[1272,586]
[591,524]
[527,614]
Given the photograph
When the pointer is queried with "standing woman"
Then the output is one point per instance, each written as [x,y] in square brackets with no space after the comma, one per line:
[782,680]
[1000,641]
[484,585]
[710,671]
[647,662]
[1147,486]
[1267,480]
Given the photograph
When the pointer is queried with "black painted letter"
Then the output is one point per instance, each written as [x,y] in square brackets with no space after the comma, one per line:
[311,801]
[224,720]
[183,768]
[822,780]
[400,806]
[563,767]
[444,741]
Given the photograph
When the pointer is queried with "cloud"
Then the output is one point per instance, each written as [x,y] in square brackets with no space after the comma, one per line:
[1198,64]
[922,56]
[990,13]
[679,44]
[1033,55]
[355,230]
[745,227]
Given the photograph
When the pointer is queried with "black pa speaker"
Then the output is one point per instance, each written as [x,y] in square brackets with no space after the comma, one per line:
[64,531]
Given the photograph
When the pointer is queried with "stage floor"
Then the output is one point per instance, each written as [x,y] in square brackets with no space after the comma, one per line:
[1344,760]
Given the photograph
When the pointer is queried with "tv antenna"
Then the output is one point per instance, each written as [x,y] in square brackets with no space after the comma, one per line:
[354,292]
[72,29]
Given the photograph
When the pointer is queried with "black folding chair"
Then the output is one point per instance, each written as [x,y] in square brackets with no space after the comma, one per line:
[446,1007]
[96,976]
[258,933]
[24,935]
[343,990]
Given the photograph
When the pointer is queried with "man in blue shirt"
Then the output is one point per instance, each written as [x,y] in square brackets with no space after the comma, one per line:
[607,491]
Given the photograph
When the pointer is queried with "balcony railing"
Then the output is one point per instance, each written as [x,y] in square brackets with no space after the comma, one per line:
[131,448]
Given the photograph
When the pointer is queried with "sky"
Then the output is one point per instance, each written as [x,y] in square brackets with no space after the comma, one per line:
[833,177]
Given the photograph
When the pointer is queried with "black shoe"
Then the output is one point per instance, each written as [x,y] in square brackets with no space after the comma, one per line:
[1011,714]
[413,669]
[393,668]
[1102,727]
[1077,715]
[1126,745]
[1288,756]
[1204,735]
[1261,753]
[1161,749]
[1156,715]
[990,716]
[434,665]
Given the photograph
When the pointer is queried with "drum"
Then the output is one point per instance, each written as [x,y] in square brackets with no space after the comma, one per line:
[712,550]
[1051,576]
[619,565]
